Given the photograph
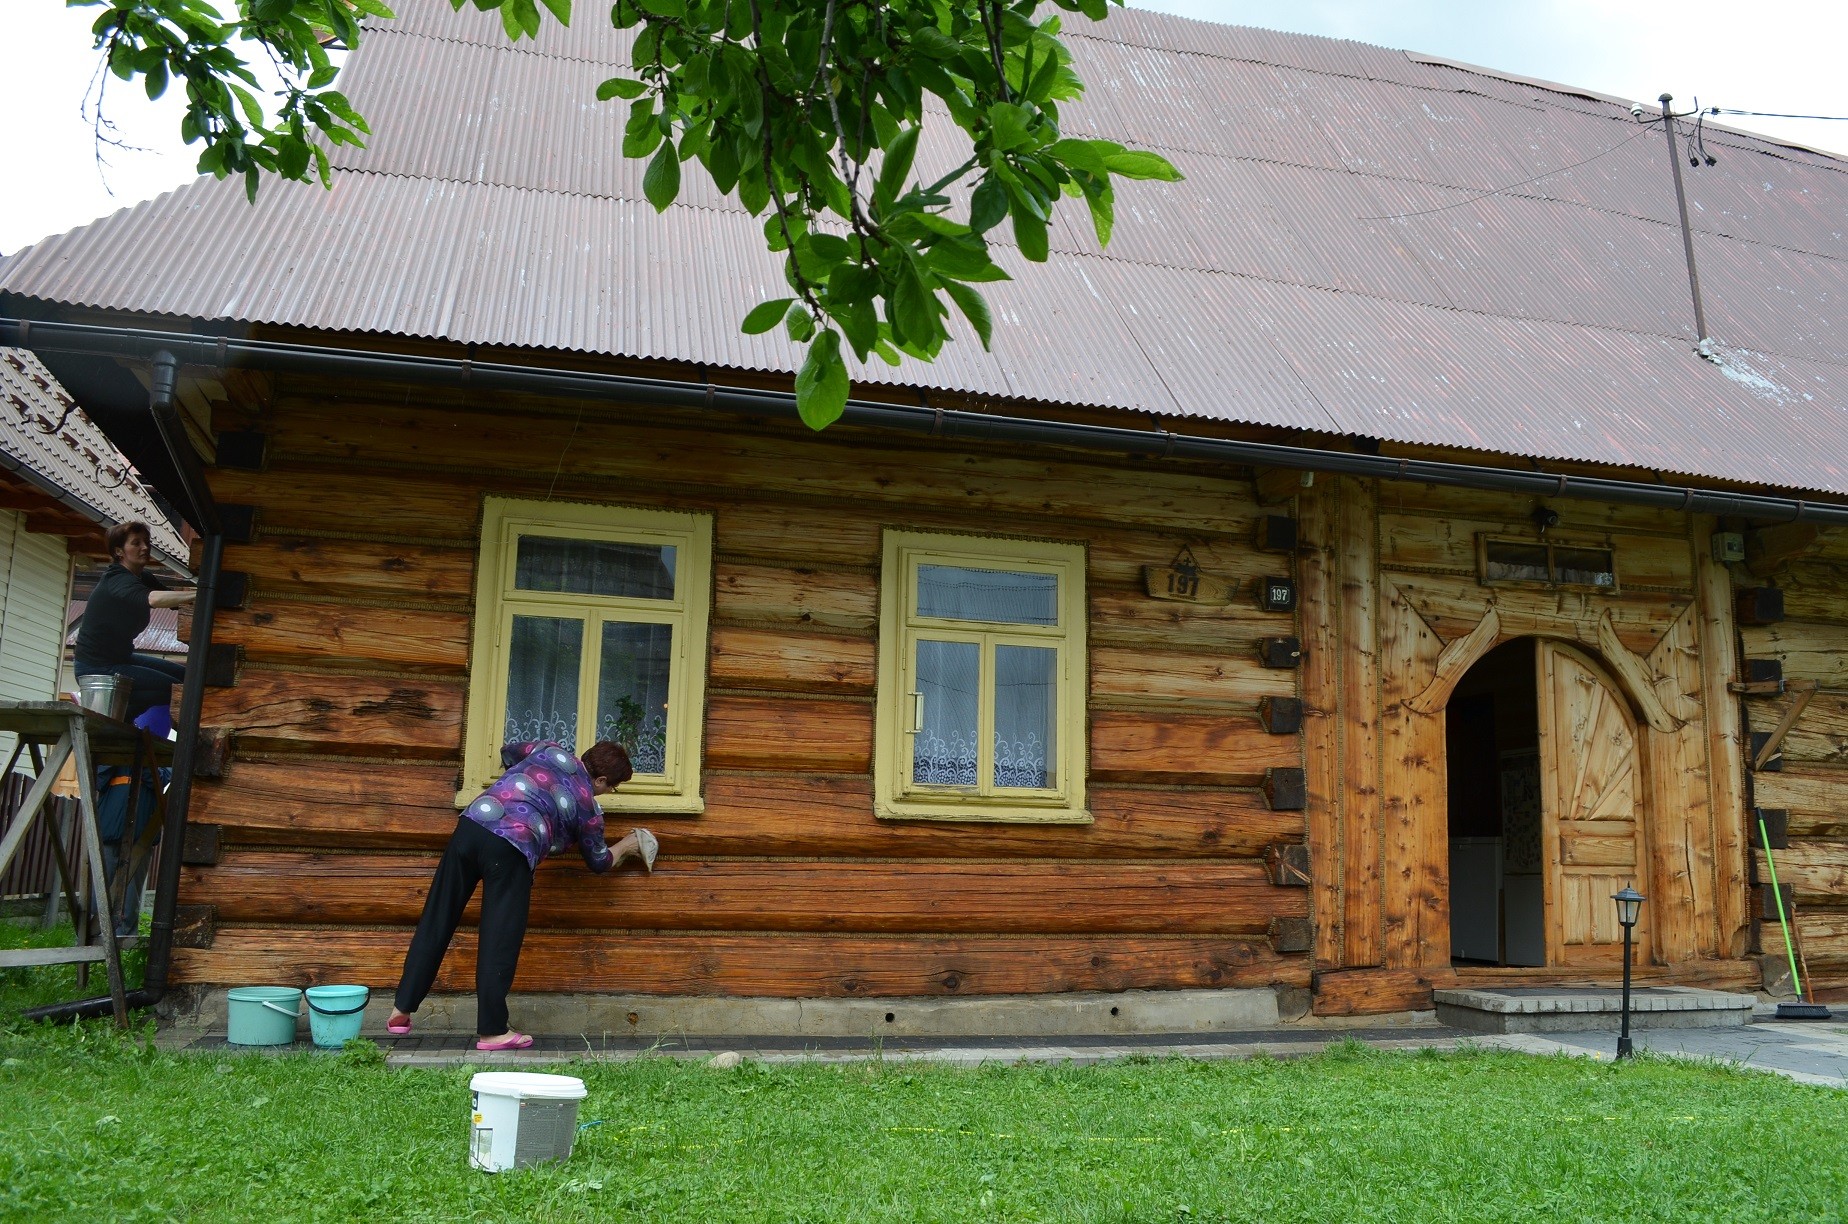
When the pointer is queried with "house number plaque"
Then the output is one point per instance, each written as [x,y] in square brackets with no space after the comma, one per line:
[1182,582]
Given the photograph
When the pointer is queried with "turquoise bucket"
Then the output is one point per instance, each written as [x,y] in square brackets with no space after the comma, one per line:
[335,1013]
[262,1015]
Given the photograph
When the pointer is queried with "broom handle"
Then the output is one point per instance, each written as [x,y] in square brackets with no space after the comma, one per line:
[1790,943]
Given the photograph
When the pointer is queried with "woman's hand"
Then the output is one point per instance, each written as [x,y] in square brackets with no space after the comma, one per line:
[170,599]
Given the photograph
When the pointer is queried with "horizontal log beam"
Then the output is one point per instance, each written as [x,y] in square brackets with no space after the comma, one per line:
[795,662]
[316,803]
[289,567]
[774,966]
[1205,749]
[1187,897]
[336,712]
[323,634]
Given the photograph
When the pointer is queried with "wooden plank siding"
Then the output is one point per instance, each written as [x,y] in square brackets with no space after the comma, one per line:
[1810,778]
[347,716]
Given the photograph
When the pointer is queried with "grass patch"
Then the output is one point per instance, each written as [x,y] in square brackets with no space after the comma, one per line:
[104,1126]
[43,985]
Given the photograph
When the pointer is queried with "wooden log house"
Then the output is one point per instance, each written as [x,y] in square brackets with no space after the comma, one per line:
[920,716]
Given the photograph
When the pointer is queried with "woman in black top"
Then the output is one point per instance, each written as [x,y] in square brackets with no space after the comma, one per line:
[119,609]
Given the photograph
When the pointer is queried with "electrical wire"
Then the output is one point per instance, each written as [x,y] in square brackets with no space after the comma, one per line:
[1716,110]
[1511,186]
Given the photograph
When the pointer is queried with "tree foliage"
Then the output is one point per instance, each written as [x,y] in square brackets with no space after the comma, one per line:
[810,112]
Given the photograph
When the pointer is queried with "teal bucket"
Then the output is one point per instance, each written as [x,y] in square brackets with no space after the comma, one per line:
[262,1015]
[335,1012]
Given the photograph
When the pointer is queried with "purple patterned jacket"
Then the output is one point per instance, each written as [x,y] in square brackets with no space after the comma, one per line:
[542,804]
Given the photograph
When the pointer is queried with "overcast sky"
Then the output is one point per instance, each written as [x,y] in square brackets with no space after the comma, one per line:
[1774,55]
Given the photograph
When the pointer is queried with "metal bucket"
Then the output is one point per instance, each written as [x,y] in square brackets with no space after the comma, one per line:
[105,694]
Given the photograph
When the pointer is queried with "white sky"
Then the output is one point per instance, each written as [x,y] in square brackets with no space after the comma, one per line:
[1774,55]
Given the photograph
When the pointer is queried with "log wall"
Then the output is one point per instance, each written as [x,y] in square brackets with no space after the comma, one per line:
[346,715]
[1808,778]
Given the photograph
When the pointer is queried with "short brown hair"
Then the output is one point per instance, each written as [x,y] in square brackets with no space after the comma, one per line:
[117,537]
[609,762]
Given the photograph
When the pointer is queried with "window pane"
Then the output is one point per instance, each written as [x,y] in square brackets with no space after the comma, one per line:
[1585,566]
[632,691]
[542,679]
[1026,705]
[1516,562]
[949,676]
[956,592]
[595,567]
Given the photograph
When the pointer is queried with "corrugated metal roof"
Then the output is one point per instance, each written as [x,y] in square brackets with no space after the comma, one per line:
[1367,242]
[43,429]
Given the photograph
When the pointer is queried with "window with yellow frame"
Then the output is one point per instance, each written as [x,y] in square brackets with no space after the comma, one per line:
[981,680]
[590,624]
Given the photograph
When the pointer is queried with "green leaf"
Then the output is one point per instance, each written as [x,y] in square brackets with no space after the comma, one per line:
[753,191]
[1138,164]
[974,309]
[643,131]
[799,323]
[661,182]
[914,307]
[765,315]
[897,165]
[621,87]
[270,10]
[560,9]
[1103,213]
[1086,155]
[1008,125]
[821,385]
[963,258]
[988,205]
[1030,234]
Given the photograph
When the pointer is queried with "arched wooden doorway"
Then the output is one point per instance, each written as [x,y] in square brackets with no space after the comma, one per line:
[1546,796]
[1591,790]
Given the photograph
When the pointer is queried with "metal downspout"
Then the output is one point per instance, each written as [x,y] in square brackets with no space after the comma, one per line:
[203,513]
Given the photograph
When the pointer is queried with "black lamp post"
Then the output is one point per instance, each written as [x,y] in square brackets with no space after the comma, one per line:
[1629,904]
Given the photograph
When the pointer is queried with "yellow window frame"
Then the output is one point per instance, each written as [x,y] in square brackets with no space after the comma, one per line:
[504,521]
[895,796]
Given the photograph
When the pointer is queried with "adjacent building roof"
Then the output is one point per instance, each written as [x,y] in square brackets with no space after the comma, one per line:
[1367,242]
[46,440]
[162,636]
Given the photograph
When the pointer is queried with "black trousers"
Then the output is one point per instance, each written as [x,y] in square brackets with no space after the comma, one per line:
[474,856]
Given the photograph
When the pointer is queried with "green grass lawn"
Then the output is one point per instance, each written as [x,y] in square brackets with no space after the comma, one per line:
[102,1126]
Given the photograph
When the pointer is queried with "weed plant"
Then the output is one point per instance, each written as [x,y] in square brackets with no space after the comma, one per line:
[104,1126]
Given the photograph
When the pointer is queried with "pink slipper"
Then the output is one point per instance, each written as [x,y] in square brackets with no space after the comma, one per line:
[398,1030]
[512,1041]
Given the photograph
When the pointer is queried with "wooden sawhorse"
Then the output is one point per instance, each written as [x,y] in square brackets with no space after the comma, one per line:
[81,736]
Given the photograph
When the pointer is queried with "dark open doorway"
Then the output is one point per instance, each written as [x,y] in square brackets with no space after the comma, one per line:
[1497,887]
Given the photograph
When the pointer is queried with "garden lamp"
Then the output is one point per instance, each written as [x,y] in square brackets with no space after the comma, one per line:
[1629,905]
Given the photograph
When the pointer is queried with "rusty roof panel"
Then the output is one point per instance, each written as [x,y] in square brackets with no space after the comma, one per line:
[1367,242]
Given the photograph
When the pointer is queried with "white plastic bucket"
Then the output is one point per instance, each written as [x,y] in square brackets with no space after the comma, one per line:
[520,1118]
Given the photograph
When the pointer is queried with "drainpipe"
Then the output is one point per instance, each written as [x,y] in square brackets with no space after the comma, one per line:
[202,512]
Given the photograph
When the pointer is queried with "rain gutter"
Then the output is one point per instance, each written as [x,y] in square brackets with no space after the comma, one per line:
[944,423]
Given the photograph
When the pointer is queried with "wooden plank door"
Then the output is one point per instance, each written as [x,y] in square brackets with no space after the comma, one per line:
[1591,790]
